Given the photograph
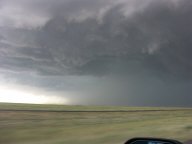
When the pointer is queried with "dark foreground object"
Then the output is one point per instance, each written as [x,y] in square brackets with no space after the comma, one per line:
[151,141]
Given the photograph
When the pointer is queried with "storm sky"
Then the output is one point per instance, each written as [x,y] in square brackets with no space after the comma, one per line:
[98,52]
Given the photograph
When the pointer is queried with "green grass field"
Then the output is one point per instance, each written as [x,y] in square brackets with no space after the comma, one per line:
[34,127]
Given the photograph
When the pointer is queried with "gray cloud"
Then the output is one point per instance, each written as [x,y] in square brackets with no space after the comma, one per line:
[108,52]
[35,13]
[153,37]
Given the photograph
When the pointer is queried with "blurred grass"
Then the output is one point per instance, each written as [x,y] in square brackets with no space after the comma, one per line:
[73,108]
[22,127]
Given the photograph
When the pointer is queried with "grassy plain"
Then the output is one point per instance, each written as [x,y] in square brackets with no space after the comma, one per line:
[55,126]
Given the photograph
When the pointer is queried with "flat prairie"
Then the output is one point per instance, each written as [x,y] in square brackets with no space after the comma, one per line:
[58,124]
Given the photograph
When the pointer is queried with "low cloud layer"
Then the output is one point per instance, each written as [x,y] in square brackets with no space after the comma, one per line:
[134,52]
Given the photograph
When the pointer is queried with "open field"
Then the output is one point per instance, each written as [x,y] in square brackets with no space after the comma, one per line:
[53,125]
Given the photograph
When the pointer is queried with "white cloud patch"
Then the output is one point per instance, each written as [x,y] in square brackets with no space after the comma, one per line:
[18,15]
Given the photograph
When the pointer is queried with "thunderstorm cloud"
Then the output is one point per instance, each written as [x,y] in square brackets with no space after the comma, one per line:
[104,52]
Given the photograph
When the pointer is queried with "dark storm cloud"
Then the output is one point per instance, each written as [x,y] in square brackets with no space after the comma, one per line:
[156,38]
[135,52]
[45,43]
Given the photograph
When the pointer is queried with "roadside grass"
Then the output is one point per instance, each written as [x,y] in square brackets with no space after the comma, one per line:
[22,127]
[77,107]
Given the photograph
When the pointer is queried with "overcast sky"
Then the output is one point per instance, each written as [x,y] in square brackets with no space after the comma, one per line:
[101,52]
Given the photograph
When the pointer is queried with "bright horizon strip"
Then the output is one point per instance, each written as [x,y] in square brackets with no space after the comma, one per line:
[9,95]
